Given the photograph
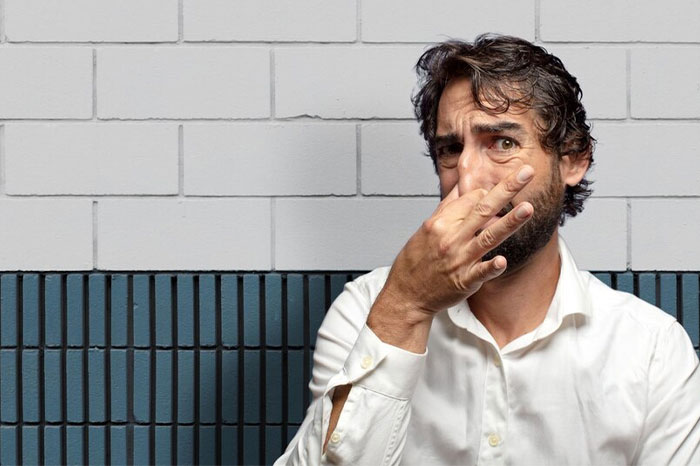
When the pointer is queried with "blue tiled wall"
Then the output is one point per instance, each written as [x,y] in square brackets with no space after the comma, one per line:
[188,368]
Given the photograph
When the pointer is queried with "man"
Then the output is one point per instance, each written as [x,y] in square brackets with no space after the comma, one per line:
[483,343]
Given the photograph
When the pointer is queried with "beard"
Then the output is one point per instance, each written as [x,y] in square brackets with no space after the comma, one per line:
[534,234]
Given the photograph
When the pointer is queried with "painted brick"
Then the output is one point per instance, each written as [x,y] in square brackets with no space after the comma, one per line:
[269,20]
[415,21]
[393,160]
[164,313]
[74,309]
[251,386]
[52,316]
[190,82]
[96,306]
[229,384]
[229,444]
[118,388]
[46,234]
[368,82]
[184,235]
[30,386]
[53,446]
[96,443]
[91,20]
[185,386]
[142,313]
[253,159]
[8,444]
[8,385]
[185,445]
[30,309]
[207,445]
[162,445]
[74,445]
[619,21]
[74,384]
[207,310]
[663,234]
[251,306]
[602,74]
[345,234]
[164,386]
[119,311]
[118,450]
[96,382]
[650,159]
[141,445]
[229,310]
[665,83]
[273,310]
[207,386]
[30,444]
[45,83]
[597,236]
[185,310]
[91,158]
[142,389]
[8,310]
[53,377]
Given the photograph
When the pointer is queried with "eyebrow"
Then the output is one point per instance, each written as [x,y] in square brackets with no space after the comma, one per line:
[481,128]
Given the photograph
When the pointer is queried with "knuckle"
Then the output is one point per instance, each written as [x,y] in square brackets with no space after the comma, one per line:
[487,240]
[483,209]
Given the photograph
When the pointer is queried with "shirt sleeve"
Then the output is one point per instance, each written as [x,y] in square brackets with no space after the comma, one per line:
[671,433]
[373,423]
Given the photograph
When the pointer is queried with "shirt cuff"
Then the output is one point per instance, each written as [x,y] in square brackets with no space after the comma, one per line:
[383,368]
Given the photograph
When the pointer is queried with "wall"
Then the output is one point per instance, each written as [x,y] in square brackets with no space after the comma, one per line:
[261,135]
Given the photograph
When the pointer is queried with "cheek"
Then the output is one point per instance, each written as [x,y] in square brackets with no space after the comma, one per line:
[448,180]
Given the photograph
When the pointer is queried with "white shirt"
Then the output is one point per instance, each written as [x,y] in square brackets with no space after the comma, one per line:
[605,379]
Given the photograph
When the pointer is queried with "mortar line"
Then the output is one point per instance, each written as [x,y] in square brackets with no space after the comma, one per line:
[180,161]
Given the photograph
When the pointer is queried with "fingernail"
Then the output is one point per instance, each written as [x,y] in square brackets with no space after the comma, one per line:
[525,174]
[521,212]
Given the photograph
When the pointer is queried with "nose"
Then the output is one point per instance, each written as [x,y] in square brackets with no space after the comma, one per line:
[473,169]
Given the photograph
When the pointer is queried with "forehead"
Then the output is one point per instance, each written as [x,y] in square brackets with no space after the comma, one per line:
[457,108]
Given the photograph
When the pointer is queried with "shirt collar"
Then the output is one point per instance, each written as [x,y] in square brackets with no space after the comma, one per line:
[570,297]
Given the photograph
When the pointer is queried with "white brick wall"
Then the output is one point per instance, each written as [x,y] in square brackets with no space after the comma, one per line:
[259,134]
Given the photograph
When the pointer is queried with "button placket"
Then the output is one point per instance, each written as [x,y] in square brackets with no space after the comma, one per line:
[495,416]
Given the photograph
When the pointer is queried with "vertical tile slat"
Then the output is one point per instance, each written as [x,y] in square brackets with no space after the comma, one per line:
[668,298]
[30,444]
[74,445]
[647,287]
[30,386]
[207,445]
[185,444]
[96,378]
[338,281]
[8,310]
[96,308]
[53,447]
[273,443]
[273,309]
[8,385]
[251,445]
[604,277]
[96,442]
[295,383]
[295,310]
[141,312]
[625,282]
[273,391]
[691,306]
[118,388]
[207,310]
[118,448]
[30,310]
[185,310]
[251,310]
[163,445]
[229,310]
[52,306]
[185,386]
[141,445]
[74,315]
[142,388]
[74,382]
[229,445]
[164,389]
[292,430]
[118,310]
[8,444]
[53,379]
[164,329]
[317,305]
[251,392]
[229,392]
[207,387]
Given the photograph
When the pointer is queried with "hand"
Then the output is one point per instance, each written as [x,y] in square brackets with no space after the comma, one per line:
[441,264]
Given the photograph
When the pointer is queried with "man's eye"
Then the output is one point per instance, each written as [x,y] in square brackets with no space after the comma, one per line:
[504,144]
[452,149]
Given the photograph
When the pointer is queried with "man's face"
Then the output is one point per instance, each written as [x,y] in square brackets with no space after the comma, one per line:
[476,149]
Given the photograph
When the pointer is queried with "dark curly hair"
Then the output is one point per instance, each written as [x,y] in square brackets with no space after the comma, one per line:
[506,71]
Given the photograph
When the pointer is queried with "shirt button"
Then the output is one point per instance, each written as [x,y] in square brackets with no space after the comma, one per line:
[366,362]
[494,440]
[497,361]
[335,437]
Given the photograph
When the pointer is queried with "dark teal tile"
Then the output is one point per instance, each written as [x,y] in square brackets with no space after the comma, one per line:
[625,282]
[185,445]
[74,445]
[207,310]
[668,293]
[647,287]
[96,445]
[691,306]
[229,309]
[273,443]
[30,309]
[30,445]
[8,310]
[53,376]
[291,431]
[163,445]
[604,277]
[30,386]
[273,388]
[74,383]
[164,386]
[142,386]
[141,445]
[53,447]
[251,310]
[273,309]
[117,378]
[142,317]
[229,373]
[229,445]
[52,310]
[251,390]
[295,310]
[118,309]
[207,386]
[75,309]
[96,306]
[317,305]
[96,382]
[164,310]
[185,386]
[8,445]
[185,310]
[251,445]
[8,385]
[295,384]
[117,441]
[207,445]
[338,281]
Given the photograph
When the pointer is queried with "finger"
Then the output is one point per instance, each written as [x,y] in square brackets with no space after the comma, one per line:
[496,233]
[458,209]
[487,270]
[497,198]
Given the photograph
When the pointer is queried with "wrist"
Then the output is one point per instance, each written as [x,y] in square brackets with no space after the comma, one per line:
[399,323]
